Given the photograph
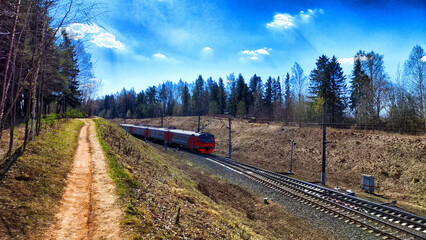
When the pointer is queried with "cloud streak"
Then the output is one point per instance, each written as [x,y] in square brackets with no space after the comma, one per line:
[107,40]
[78,31]
[159,56]
[99,37]
[284,21]
[255,54]
[350,60]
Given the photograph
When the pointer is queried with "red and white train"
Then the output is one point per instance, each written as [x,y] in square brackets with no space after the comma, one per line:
[201,142]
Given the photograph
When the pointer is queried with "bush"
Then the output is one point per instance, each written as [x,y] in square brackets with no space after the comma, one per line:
[49,119]
[73,113]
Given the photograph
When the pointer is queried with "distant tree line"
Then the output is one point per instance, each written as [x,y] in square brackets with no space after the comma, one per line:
[367,98]
[42,69]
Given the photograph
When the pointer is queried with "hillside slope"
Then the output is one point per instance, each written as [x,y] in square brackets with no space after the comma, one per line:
[157,187]
[398,162]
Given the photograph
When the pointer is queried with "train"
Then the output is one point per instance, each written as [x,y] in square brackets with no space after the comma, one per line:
[195,141]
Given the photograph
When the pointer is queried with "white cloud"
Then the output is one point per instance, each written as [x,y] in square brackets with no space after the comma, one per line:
[159,56]
[107,40]
[283,21]
[350,60]
[423,59]
[255,54]
[80,30]
[207,51]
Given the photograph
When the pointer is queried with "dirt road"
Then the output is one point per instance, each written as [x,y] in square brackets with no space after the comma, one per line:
[89,207]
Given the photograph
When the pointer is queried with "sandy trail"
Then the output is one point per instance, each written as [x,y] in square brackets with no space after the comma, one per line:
[89,207]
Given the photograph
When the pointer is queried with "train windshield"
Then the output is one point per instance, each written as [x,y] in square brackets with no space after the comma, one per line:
[207,138]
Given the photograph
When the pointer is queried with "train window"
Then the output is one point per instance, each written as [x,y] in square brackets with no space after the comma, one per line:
[210,139]
[203,139]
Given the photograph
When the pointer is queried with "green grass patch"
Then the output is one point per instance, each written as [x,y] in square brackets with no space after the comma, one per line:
[127,184]
[33,187]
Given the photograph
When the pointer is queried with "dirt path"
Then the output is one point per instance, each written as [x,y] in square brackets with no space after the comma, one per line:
[89,207]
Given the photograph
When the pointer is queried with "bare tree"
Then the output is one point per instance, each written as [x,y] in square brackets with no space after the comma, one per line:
[372,64]
[6,80]
[299,82]
[415,70]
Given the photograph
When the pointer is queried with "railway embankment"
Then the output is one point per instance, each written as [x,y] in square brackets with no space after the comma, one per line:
[396,161]
[169,196]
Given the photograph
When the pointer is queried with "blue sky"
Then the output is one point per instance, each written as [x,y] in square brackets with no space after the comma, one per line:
[140,43]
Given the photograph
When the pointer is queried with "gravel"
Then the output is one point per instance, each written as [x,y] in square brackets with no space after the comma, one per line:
[336,227]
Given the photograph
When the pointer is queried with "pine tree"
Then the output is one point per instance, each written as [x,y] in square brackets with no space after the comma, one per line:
[268,97]
[185,100]
[221,96]
[288,99]
[328,87]
[360,92]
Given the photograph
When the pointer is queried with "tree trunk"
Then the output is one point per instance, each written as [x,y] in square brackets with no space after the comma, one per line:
[5,82]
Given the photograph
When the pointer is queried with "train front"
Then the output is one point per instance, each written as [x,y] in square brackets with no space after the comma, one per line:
[207,143]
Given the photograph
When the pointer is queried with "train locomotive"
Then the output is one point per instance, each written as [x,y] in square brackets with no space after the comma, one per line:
[194,141]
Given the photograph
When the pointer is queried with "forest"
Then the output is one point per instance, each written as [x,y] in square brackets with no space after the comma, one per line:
[367,98]
[44,72]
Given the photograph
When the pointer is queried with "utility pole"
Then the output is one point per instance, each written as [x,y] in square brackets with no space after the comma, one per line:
[230,144]
[324,139]
[199,119]
[291,158]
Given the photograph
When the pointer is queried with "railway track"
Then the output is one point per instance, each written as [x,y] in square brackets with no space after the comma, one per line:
[381,220]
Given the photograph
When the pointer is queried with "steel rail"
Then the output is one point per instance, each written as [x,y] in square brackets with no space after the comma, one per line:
[309,190]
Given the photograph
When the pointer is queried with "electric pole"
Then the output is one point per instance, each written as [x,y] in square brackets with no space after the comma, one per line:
[324,133]
[230,144]
[291,158]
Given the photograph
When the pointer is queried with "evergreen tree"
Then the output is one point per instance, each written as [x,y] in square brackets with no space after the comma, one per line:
[278,97]
[185,100]
[360,92]
[328,87]
[221,96]
[268,97]
[288,99]
[198,95]
[69,72]
[255,96]
[140,105]
[232,93]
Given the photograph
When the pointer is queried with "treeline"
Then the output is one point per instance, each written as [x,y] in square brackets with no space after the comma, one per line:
[42,70]
[368,98]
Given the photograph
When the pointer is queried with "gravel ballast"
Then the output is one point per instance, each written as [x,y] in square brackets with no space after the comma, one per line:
[336,227]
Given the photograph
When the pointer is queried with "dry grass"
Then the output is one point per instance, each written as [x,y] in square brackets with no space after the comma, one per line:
[159,183]
[397,161]
[33,186]
[18,140]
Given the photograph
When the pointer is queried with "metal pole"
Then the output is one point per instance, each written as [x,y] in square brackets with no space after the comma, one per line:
[199,119]
[230,144]
[291,158]
[324,133]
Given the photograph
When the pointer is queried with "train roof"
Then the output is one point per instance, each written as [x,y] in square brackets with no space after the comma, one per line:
[178,131]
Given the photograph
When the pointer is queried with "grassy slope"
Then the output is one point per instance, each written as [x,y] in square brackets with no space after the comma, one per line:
[34,185]
[397,161]
[154,185]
